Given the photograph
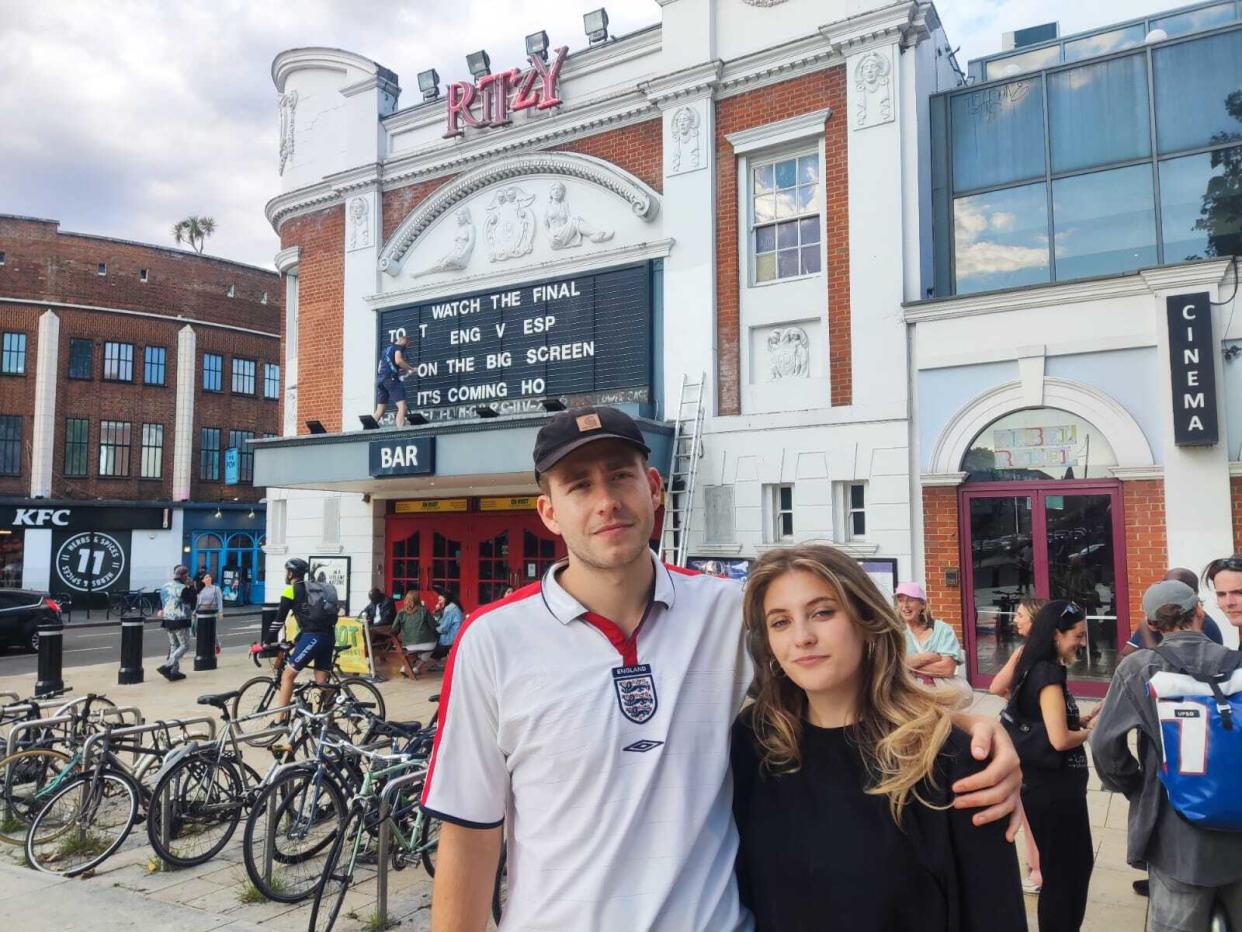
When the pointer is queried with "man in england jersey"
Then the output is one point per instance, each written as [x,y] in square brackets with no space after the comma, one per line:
[586,717]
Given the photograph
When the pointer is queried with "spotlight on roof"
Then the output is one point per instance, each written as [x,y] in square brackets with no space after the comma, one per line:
[415,418]
[486,411]
[537,44]
[368,422]
[595,24]
[429,83]
[315,427]
[553,404]
[479,63]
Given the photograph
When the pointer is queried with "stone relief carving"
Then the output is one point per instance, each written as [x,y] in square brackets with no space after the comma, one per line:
[510,224]
[458,257]
[686,146]
[359,223]
[872,81]
[566,229]
[789,354]
[288,106]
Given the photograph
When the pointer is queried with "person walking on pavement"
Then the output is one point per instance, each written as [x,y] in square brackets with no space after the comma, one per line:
[1190,867]
[591,711]
[388,387]
[177,602]
[316,626]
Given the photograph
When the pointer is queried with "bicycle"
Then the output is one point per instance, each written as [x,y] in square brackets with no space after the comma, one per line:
[137,601]
[256,695]
[86,816]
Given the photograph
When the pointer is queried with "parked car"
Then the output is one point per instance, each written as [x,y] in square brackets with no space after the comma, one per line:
[21,610]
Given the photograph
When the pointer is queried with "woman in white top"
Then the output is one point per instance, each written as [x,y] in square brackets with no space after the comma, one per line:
[211,599]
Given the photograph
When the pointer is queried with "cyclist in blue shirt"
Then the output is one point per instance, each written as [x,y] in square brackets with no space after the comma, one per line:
[388,385]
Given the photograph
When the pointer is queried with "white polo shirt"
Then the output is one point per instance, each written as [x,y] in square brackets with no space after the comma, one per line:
[608,759]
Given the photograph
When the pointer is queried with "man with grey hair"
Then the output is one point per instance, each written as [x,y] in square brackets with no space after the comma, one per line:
[1191,868]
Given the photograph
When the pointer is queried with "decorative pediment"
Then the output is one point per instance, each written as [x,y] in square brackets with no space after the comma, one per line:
[511,207]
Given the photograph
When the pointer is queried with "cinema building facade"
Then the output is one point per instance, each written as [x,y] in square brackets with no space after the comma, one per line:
[731,193]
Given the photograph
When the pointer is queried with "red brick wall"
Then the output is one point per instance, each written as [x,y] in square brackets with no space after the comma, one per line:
[321,291]
[44,264]
[1235,494]
[745,111]
[638,149]
[399,202]
[942,551]
[1147,551]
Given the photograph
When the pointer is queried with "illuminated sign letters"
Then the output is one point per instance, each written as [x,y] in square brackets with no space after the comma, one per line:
[487,102]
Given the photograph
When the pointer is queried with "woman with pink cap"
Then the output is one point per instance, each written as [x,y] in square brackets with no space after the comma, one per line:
[932,648]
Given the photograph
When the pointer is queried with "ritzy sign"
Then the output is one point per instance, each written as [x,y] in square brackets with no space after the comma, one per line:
[1193,370]
[487,102]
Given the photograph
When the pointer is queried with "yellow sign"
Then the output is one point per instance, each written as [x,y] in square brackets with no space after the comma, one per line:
[514,503]
[350,633]
[426,506]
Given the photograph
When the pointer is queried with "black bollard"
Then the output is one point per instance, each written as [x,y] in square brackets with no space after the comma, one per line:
[51,648]
[205,648]
[131,648]
[268,633]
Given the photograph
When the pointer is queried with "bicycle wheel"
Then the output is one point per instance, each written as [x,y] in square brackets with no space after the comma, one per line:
[82,824]
[27,777]
[500,893]
[338,874]
[428,843]
[364,691]
[195,809]
[256,695]
[289,833]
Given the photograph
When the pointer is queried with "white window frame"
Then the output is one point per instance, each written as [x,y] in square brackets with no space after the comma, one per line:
[817,209]
[773,532]
[844,511]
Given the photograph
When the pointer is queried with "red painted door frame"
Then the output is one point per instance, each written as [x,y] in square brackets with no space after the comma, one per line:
[470,529]
[1038,492]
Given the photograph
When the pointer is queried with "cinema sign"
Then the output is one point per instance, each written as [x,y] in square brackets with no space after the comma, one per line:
[487,101]
[1193,370]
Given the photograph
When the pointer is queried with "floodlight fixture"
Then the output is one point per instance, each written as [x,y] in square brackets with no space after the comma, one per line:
[537,44]
[316,427]
[479,63]
[429,83]
[595,24]
[486,411]
[553,404]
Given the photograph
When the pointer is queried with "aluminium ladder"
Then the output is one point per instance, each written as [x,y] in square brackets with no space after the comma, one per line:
[683,468]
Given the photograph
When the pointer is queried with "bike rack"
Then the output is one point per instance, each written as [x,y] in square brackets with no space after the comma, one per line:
[19,728]
[381,867]
[6,695]
[163,725]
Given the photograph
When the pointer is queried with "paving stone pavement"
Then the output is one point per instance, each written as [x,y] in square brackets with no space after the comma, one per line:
[124,894]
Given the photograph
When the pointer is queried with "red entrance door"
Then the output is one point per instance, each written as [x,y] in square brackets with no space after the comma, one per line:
[477,556]
[1051,540]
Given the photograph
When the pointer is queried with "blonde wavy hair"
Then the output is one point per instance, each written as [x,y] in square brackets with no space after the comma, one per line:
[900,727]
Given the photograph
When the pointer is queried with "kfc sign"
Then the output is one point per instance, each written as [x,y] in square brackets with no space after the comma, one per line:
[487,102]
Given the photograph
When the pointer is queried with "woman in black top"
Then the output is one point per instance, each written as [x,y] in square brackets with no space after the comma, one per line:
[842,768]
[1054,786]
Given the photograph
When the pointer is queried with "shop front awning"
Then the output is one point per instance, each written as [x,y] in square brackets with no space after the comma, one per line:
[484,457]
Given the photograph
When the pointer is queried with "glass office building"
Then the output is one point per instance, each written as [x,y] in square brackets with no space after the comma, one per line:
[1112,154]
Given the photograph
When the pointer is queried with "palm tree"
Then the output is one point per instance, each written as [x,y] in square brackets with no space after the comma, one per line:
[194,230]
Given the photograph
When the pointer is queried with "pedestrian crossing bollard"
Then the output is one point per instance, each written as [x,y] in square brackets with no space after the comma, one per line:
[205,647]
[131,649]
[51,655]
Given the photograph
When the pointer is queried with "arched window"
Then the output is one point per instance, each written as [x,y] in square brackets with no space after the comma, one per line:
[1038,443]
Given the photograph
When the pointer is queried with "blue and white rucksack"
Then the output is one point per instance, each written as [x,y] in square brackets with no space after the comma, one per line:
[1201,742]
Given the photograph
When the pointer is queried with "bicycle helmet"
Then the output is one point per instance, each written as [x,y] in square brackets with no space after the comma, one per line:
[297,566]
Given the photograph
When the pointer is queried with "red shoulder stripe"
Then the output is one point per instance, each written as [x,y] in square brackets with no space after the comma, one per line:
[681,570]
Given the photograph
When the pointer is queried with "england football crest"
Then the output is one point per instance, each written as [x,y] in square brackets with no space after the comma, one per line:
[636,692]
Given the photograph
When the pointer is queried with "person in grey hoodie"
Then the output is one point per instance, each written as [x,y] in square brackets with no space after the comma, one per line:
[1191,868]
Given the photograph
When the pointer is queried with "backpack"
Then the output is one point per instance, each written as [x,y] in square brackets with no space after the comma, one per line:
[322,604]
[1200,717]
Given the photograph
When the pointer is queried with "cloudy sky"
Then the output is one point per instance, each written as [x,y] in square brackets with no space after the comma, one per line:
[121,117]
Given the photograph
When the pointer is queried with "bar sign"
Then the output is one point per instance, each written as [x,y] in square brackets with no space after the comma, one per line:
[1193,370]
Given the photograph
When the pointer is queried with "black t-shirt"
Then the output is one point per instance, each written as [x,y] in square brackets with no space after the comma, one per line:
[818,853]
[1074,761]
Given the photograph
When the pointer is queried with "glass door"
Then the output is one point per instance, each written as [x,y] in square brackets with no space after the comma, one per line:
[1051,540]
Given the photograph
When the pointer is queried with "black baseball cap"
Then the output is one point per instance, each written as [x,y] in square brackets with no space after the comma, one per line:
[569,430]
